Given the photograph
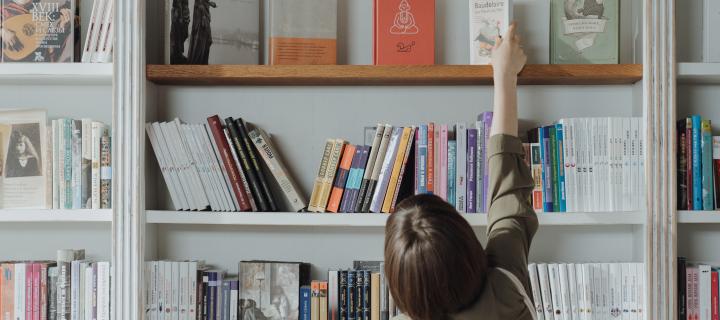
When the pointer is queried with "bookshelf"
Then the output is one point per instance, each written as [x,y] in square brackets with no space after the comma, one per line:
[699,73]
[65,74]
[47,216]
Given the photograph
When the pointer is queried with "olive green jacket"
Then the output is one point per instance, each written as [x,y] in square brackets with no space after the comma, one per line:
[512,223]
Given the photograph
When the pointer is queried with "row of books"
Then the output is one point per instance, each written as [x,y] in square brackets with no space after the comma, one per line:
[698,288]
[70,288]
[305,31]
[698,164]
[588,164]
[600,291]
[81,175]
[56,31]
[218,167]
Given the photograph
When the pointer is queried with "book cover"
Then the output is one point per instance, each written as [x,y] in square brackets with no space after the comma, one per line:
[430,158]
[354,196]
[375,205]
[559,150]
[471,170]
[442,144]
[304,307]
[314,300]
[351,295]
[375,159]
[359,294]
[302,32]
[488,19]
[404,32]
[212,32]
[350,182]
[397,166]
[341,178]
[480,166]
[421,159]
[584,32]
[547,172]
[265,284]
[707,166]
[332,168]
[452,172]
[697,162]
[343,295]
[554,168]
[682,185]
[367,299]
[42,31]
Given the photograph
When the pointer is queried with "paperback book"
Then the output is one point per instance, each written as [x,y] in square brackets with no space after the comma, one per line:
[404,32]
[489,19]
[39,30]
[584,32]
[301,31]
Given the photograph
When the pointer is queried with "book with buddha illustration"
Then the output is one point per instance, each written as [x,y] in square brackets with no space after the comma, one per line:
[584,31]
[488,20]
[404,32]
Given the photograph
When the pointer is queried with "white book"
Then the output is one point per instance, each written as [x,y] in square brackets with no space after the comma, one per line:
[106,35]
[615,284]
[626,290]
[178,199]
[627,177]
[573,286]
[705,291]
[93,30]
[167,290]
[589,292]
[385,170]
[605,294]
[580,144]
[196,161]
[81,290]
[76,182]
[89,294]
[604,168]
[222,170]
[640,274]
[641,157]
[535,287]
[554,277]
[184,286]
[567,141]
[234,304]
[75,290]
[192,172]
[175,291]
[177,158]
[149,288]
[544,278]
[211,164]
[461,167]
[192,297]
[488,20]
[103,291]
[639,170]
[55,165]
[711,48]
[97,131]
[62,157]
[564,291]
[591,159]
[580,288]
[160,290]
[86,164]
[20,291]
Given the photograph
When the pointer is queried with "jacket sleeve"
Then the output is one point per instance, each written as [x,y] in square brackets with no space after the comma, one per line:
[512,222]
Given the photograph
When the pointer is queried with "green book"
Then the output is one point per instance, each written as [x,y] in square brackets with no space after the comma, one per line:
[584,31]
[554,165]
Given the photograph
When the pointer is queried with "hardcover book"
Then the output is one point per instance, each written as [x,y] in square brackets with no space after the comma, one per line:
[265,285]
[302,32]
[488,19]
[584,32]
[212,32]
[404,32]
[39,30]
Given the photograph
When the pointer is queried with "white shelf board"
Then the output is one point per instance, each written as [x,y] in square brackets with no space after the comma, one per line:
[369,220]
[56,73]
[692,72]
[43,215]
[698,216]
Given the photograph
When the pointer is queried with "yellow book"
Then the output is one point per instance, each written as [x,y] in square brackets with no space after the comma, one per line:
[375,296]
[399,160]
[315,300]
[332,166]
[314,197]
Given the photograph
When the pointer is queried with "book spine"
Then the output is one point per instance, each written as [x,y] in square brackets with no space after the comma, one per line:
[554,165]
[105,172]
[714,296]
[452,172]
[461,167]
[224,148]
[487,123]
[380,133]
[330,174]
[244,158]
[314,300]
[242,175]
[324,310]
[376,170]
[536,170]
[689,160]
[314,205]
[480,166]
[76,180]
[366,295]
[350,183]
[43,292]
[86,164]
[471,170]
[351,295]
[68,162]
[304,303]
[430,178]
[29,297]
[354,198]
[343,295]
[444,183]
[386,170]
[681,285]
[682,165]
[421,160]
[546,169]
[255,164]
[561,168]
[439,188]
[341,177]
[697,163]
[705,292]
[359,294]
[397,169]
[20,288]
[96,133]
[715,169]
[333,288]
[403,167]
[707,165]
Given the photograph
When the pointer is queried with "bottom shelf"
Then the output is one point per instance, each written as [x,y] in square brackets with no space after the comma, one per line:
[55,215]
[371,220]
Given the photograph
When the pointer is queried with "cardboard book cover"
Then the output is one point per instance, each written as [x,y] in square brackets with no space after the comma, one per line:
[488,20]
[212,32]
[584,31]
[271,290]
[404,32]
[302,32]
[38,30]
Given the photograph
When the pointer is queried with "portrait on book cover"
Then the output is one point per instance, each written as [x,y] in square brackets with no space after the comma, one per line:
[24,151]
[269,290]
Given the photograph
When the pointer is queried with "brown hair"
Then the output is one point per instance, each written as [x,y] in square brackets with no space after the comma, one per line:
[434,263]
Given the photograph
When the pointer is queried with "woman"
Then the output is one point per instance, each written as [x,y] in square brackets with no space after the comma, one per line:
[435,266]
[22,159]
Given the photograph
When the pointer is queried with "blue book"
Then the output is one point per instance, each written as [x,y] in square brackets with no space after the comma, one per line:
[544,133]
[225,301]
[304,307]
[561,167]
[421,160]
[366,295]
[342,295]
[452,171]
[351,299]
[697,162]
[360,295]
[707,166]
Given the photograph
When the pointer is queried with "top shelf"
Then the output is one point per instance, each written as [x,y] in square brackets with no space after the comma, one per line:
[538,74]
[56,73]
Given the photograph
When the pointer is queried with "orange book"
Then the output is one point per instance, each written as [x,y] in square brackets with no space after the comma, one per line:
[431,159]
[407,134]
[341,179]
[404,32]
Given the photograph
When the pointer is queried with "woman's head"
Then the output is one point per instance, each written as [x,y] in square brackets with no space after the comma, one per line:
[434,263]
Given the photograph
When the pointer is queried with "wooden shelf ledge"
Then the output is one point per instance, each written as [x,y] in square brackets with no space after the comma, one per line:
[538,74]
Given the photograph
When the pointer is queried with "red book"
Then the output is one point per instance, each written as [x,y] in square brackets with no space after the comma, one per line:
[229,163]
[341,179]
[36,291]
[688,150]
[714,303]
[431,159]
[404,32]
[43,291]
[29,291]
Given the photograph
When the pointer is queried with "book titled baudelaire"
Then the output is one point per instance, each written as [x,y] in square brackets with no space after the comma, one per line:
[302,31]
[42,30]
[488,19]
[584,32]
[404,32]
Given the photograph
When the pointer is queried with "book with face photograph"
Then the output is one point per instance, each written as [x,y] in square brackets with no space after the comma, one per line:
[271,290]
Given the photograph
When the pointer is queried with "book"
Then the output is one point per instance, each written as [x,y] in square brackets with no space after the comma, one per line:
[377,153]
[265,282]
[559,150]
[489,19]
[682,146]
[535,286]
[385,171]
[715,171]
[398,165]
[682,291]
[255,164]
[248,169]
[430,183]
[92,36]
[301,32]
[341,178]
[452,173]
[547,169]
[53,36]
[708,194]
[584,32]
[304,307]
[461,168]
[690,163]
[544,279]
[404,187]
[421,160]
[353,186]
[442,164]
[332,167]
[486,118]
[471,175]
[403,32]
[697,162]
[322,171]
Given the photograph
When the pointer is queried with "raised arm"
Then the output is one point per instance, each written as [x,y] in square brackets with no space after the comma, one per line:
[511,219]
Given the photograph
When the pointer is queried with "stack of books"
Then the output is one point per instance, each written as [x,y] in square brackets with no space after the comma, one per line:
[697,291]
[218,167]
[100,33]
[698,165]
[588,290]
[69,288]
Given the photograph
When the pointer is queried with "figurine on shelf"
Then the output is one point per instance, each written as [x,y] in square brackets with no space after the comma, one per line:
[201,38]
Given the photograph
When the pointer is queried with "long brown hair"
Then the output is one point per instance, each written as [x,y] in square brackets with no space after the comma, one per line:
[434,263]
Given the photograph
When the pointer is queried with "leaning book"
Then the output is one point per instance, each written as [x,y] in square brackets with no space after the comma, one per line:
[23,182]
[584,32]
[38,30]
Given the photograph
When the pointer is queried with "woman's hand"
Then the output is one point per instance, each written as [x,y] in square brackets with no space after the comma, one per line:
[508,58]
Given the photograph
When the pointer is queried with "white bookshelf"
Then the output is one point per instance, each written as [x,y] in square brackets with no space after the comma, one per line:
[64,74]
[45,216]
[698,73]
[698,217]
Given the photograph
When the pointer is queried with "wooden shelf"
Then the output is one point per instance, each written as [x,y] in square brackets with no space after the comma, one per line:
[40,215]
[293,219]
[707,73]
[388,75]
[56,73]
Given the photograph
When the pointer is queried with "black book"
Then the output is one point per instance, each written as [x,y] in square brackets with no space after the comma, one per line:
[367,200]
[255,163]
[682,282]
[342,294]
[682,183]
[360,202]
[351,295]
[366,295]
[247,168]
[360,295]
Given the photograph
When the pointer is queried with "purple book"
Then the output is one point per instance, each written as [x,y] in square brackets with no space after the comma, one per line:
[350,180]
[486,118]
[355,191]
[472,135]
